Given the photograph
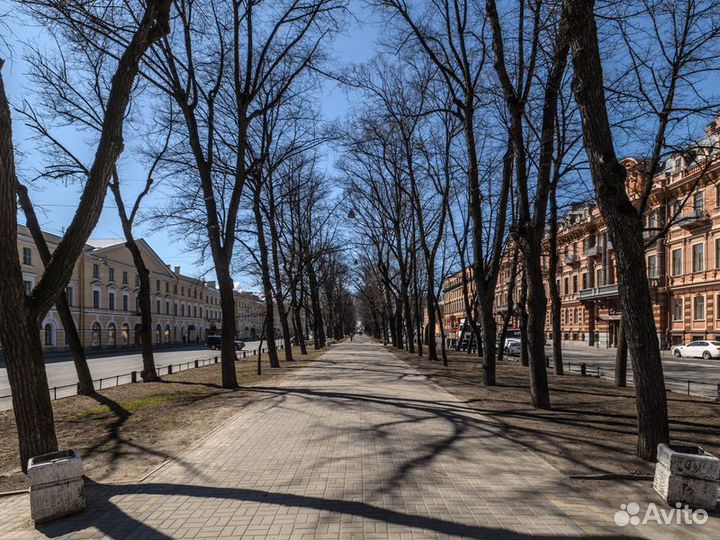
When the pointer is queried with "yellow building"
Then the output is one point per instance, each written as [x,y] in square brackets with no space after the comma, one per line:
[103,297]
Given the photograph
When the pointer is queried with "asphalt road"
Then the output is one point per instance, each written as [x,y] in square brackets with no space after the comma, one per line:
[61,371]
[704,375]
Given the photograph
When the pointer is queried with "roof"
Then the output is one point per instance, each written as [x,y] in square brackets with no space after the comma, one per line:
[100,243]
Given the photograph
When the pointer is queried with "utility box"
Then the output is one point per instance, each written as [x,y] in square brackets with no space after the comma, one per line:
[56,485]
[687,475]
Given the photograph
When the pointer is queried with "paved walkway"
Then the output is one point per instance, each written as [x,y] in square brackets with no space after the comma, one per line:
[358,445]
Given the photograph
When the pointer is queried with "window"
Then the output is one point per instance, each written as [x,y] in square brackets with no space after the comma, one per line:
[69,295]
[27,256]
[677,262]
[96,271]
[575,283]
[96,299]
[652,268]
[182,310]
[698,257]
[194,311]
[717,253]
[126,302]
[717,196]
[182,291]
[125,278]
[167,308]
[175,310]
[167,287]
[111,274]
[699,308]
[137,280]
[678,313]
[584,280]
[157,284]
[96,335]
[600,278]
[111,334]
[49,335]
[158,334]
[567,286]
[28,286]
[699,202]
[677,207]
[157,305]
[111,301]
[125,335]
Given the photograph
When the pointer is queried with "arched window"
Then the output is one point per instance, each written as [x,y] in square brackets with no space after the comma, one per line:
[49,335]
[175,333]
[158,334]
[96,335]
[112,335]
[125,335]
[167,333]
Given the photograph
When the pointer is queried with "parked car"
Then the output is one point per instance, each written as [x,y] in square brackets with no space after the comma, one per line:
[512,346]
[215,342]
[698,349]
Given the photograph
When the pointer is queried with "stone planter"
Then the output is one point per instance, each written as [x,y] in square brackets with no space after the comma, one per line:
[687,475]
[56,485]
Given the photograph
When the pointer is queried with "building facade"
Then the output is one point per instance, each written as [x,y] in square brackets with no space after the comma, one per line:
[103,298]
[682,235]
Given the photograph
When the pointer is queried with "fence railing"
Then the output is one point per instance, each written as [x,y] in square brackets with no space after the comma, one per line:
[689,386]
[68,390]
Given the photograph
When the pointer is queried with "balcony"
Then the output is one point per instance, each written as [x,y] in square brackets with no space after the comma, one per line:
[572,259]
[695,220]
[592,251]
[595,293]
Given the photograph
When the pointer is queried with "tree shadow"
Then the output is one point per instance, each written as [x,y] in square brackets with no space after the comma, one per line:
[104,514]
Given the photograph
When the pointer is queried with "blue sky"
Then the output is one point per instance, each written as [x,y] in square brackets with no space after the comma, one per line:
[56,203]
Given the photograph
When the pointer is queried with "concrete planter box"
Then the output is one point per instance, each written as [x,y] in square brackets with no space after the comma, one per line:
[56,485]
[687,475]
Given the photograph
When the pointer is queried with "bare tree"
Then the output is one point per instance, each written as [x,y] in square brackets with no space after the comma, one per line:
[20,312]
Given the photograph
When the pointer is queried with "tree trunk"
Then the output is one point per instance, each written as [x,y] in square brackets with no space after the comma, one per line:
[30,397]
[536,308]
[556,303]
[85,381]
[624,227]
[318,325]
[299,334]
[523,320]
[267,284]
[149,373]
[621,355]
[488,327]
[226,286]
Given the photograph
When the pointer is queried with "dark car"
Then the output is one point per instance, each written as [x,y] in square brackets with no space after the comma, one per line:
[215,342]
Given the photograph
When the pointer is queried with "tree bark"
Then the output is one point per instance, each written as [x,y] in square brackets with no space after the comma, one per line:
[621,356]
[556,303]
[267,284]
[86,386]
[624,227]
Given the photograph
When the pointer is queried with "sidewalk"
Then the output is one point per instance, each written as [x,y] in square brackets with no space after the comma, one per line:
[358,445]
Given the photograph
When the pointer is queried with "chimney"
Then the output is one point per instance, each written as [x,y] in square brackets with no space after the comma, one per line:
[177,270]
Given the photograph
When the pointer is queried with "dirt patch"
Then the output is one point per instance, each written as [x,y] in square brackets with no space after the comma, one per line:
[591,428]
[125,432]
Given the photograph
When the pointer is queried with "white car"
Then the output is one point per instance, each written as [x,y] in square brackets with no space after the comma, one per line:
[512,346]
[698,349]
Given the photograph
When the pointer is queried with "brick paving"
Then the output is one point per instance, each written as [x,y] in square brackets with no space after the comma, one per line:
[357,445]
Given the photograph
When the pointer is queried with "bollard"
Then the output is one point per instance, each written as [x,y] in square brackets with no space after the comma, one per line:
[583,369]
[133,376]
[170,369]
[718,392]
[598,371]
[197,363]
[688,388]
[243,354]
[216,359]
[547,361]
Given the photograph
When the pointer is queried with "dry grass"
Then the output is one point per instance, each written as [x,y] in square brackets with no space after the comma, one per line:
[125,432]
[591,428]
